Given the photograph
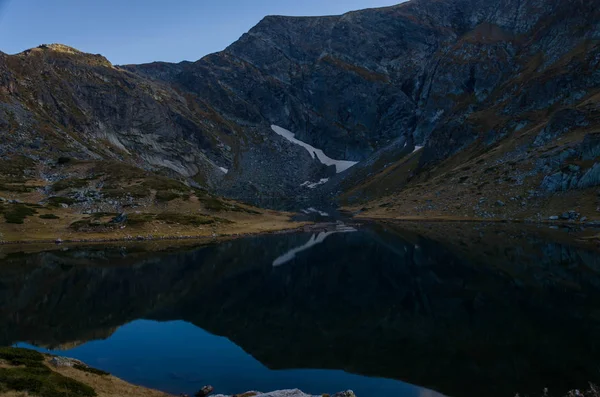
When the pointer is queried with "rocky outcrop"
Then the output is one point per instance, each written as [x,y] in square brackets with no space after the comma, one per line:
[61,102]
[448,75]
[441,74]
[288,393]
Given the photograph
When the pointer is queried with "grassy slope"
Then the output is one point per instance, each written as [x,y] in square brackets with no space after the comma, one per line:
[472,181]
[28,373]
[95,192]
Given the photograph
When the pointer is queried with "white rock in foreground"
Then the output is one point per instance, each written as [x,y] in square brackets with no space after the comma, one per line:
[340,165]
[295,393]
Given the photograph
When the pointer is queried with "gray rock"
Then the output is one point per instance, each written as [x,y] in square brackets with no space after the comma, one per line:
[205,391]
[64,362]
[590,147]
[121,218]
[500,203]
[591,177]
[561,123]
[295,393]
[570,215]
[348,393]
[553,218]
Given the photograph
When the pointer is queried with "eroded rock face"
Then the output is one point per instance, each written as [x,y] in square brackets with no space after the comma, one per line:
[59,102]
[439,74]
[443,74]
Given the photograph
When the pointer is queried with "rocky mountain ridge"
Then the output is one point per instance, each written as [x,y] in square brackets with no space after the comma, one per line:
[511,86]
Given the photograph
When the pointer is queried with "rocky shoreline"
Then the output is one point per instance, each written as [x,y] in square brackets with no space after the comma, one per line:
[29,372]
[288,393]
[306,228]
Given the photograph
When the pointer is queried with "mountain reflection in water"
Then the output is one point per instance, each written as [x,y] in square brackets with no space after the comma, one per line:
[467,310]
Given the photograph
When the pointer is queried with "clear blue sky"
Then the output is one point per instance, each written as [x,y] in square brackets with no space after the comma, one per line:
[137,31]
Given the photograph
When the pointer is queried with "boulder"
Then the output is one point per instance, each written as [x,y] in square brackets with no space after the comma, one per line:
[65,362]
[590,178]
[205,391]
[289,393]
[561,123]
[121,218]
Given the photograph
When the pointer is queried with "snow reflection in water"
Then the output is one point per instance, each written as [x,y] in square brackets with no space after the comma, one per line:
[314,240]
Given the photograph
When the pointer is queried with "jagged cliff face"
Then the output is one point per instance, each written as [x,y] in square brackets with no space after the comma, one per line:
[449,75]
[58,101]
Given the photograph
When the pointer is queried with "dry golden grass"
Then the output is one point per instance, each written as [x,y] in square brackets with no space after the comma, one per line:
[104,385]
[109,386]
[36,229]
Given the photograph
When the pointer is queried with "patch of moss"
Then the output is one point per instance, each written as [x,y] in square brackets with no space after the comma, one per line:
[70,183]
[16,166]
[43,382]
[90,224]
[217,205]
[214,204]
[64,160]
[139,219]
[31,375]
[183,219]
[116,171]
[49,216]
[91,370]
[166,195]
[164,183]
[135,191]
[12,354]
[16,188]
[56,201]
[17,213]
[79,225]
[99,215]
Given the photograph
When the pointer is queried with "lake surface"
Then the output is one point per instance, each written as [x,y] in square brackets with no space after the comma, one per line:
[395,310]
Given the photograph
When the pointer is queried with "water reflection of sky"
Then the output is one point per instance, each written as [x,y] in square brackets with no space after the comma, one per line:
[178,357]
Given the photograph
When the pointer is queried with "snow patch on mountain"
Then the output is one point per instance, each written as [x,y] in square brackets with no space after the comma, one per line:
[312,210]
[340,165]
[312,185]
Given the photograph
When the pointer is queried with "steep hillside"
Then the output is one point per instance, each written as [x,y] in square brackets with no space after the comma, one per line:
[502,96]
[454,76]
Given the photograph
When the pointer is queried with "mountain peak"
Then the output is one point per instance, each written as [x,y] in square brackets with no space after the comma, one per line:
[70,52]
[57,47]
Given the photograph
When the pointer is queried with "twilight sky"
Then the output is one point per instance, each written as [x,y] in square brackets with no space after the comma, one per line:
[137,31]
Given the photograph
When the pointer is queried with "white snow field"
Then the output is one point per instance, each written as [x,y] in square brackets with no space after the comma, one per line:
[312,185]
[340,165]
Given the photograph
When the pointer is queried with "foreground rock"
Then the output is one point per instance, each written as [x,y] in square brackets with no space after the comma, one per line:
[288,393]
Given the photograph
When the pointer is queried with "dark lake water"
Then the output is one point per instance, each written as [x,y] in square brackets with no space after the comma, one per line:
[397,310]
